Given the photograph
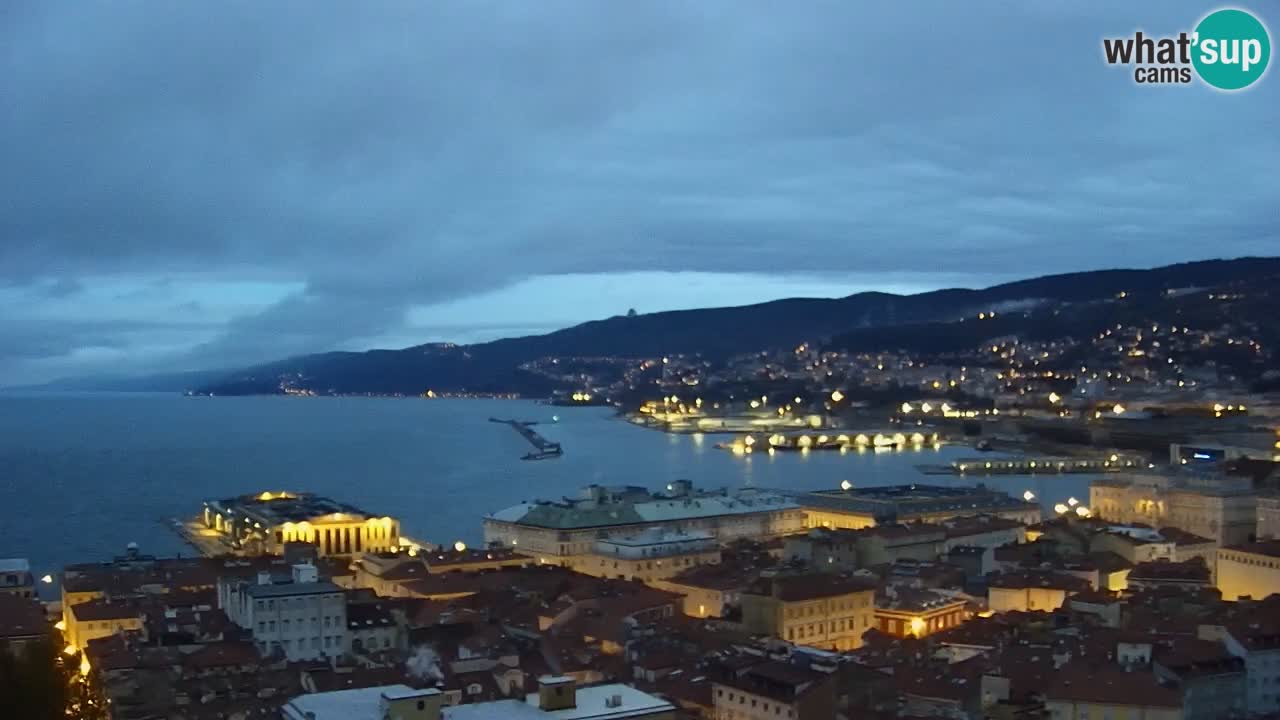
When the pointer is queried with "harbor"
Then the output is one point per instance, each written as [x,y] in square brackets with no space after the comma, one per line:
[543,449]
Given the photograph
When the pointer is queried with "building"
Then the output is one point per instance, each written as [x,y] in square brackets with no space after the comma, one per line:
[372,628]
[1134,544]
[1257,642]
[911,612]
[263,523]
[827,550]
[558,698]
[709,590]
[649,555]
[98,619]
[1187,575]
[857,508]
[22,623]
[816,609]
[1220,507]
[460,558]
[1212,680]
[1032,591]
[1249,570]
[562,532]
[302,616]
[1268,516]
[771,690]
[16,578]
[1080,692]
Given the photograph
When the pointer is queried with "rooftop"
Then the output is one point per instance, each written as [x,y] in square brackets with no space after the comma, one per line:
[588,513]
[357,704]
[14,565]
[21,617]
[1112,686]
[276,508]
[291,588]
[906,501]
[1270,548]
[810,586]
[593,702]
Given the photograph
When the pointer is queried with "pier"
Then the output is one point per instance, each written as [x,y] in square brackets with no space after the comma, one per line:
[1037,465]
[543,448]
[838,440]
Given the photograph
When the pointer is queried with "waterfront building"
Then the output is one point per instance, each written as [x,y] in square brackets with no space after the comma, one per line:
[558,698]
[1249,570]
[648,556]
[1220,507]
[561,532]
[16,578]
[857,508]
[264,523]
[911,612]
[302,616]
[816,609]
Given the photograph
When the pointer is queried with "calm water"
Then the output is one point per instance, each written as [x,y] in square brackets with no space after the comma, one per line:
[83,475]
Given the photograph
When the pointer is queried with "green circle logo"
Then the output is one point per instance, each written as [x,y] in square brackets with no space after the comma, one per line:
[1231,49]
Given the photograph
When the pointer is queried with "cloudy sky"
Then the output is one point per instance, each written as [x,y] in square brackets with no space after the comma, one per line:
[192,184]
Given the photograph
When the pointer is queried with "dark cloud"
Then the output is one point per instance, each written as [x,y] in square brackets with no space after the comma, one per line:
[372,159]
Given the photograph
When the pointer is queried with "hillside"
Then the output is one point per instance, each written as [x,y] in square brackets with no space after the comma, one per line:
[863,320]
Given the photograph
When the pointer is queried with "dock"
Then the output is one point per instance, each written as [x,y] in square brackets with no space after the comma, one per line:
[543,449]
[1043,465]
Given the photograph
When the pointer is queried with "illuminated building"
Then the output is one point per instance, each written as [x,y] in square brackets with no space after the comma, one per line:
[98,619]
[562,532]
[1220,507]
[263,523]
[1249,570]
[909,612]
[820,610]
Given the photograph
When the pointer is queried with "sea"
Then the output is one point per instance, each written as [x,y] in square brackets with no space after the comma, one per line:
[84,474]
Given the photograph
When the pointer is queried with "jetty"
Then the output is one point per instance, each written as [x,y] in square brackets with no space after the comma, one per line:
[543,449]
[1038,465]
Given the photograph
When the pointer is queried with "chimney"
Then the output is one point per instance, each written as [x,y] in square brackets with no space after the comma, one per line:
[264,577]
[556,692]
[305,573]
[400,702]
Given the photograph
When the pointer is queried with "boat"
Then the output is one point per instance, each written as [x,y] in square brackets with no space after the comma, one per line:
[983,446]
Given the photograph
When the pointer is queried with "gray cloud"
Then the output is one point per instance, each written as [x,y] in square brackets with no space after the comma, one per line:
[395,155]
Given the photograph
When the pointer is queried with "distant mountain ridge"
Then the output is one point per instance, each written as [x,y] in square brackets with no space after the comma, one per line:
[862,320]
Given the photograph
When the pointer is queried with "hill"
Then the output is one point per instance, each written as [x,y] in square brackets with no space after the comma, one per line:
[864,320]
